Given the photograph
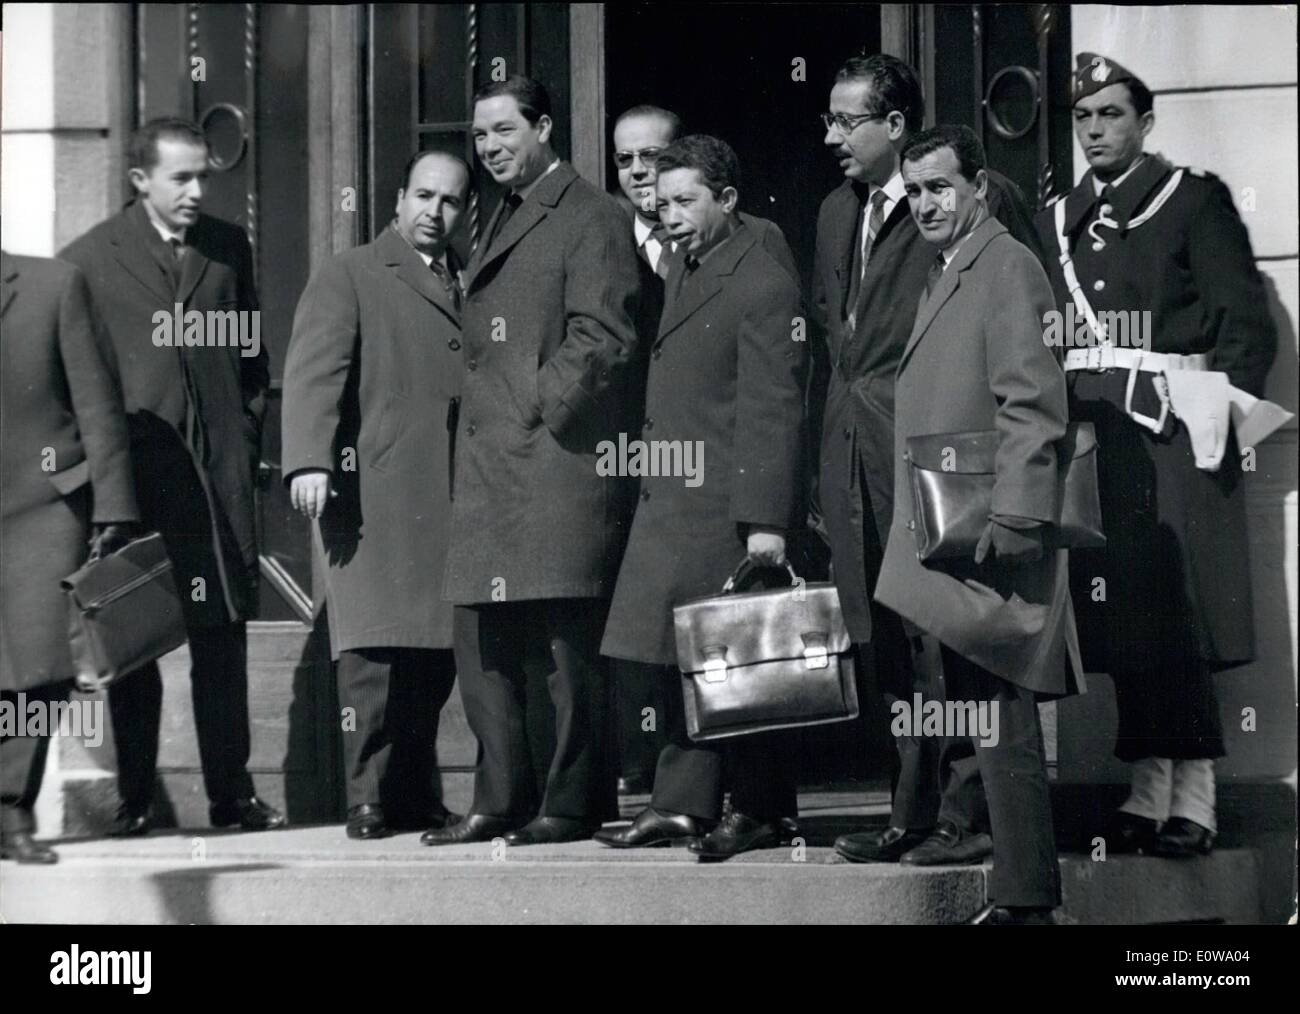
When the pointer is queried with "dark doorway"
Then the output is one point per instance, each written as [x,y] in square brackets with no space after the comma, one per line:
[733,70]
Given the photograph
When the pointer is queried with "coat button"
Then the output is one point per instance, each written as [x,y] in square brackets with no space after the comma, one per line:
[1098,285]
[1099,245]
[649,424]
[911,526]
[657,353]
[645,494]
[453,344]
[469,430]
[847,433]
[1106,209]
[471,365]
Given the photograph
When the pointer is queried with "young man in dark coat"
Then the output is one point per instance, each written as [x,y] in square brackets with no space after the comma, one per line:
[640,134]
[371,382]
[1144,237]
[536,533]
[725,387]
[65,465]
[174,287]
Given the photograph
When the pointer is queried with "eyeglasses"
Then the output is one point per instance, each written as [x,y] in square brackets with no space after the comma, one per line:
[846,124]
[623,159]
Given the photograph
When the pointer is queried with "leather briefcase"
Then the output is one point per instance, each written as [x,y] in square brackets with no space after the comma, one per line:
[123,611]
[952,478]
[762,660]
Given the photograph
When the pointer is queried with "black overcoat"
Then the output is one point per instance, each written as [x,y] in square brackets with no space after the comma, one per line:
[370,382]
[194,414]
[64,459]
[727,371]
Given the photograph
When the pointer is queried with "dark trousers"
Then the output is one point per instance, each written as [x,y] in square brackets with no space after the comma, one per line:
[1013,773]
[219,689]
[395,696]
[894,672]
[22,760]
[690,777]
[1168,710]
[493,644]
[640,734]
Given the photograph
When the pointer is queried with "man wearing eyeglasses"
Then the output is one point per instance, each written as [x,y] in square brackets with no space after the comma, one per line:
[640,134]
[870,270]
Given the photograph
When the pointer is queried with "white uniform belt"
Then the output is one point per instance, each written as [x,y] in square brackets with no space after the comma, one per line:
[1105,357]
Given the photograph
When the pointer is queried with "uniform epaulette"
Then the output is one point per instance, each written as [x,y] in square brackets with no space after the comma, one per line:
[1199,172]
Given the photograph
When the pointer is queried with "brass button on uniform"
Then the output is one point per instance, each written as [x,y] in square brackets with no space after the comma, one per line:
[1098,285]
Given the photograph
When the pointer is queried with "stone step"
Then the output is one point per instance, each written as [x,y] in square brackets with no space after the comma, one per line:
[313,875]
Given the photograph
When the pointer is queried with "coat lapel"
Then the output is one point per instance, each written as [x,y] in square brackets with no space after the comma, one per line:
[8,275]
[950,282]
[534,209]
[133,250]
[900,211]
[694,293]
[409,267]
[193,265]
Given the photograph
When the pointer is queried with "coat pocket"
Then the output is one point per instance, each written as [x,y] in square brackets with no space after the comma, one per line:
[390,427]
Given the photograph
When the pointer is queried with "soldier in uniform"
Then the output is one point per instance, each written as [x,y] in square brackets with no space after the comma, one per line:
[1167,603]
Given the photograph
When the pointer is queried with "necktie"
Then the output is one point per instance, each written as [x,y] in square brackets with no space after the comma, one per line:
[178,249]
[660,235]
[932,279]
[448,283]
[509,205]
[869,225]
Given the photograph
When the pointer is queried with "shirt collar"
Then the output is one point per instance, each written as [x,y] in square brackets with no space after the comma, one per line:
[641,229]
[523,193]
[1115,183]
[167,234]
[427,258]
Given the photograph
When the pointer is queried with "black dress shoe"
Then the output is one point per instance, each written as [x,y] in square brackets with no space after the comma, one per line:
[21,847]
[736,834]
[476,827]
[949,845]
[552,831]
[251,814]
[1126,833]
[1181,838]
[130,825]
[367,821]
[1010,915]
[885,846]
[651,827]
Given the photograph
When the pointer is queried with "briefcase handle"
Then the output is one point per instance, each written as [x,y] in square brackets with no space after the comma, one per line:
[745,570]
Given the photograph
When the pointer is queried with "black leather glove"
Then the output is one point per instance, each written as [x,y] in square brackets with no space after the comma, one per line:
[109,538]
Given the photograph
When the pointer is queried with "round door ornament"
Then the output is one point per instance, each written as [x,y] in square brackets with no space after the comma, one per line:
[996,121]
[225,126]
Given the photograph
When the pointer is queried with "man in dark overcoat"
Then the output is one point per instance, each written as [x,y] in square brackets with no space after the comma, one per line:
[65,465]
[976,361]
[725,385]
[550,343]
[174,287]
[1167,603]
[870,270]
[372,380]
[640,134]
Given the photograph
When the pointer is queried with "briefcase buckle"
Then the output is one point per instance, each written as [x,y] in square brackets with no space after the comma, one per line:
[715,665]
[815,658]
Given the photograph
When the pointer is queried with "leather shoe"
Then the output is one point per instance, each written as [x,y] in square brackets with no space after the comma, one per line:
[367,821]
[130,825]
[476,827]
[21,847]
[949,845]
[736,834]
[1181,838]
[885,846]
[651,827]
[251,814]
[551,831]
[1127,832]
